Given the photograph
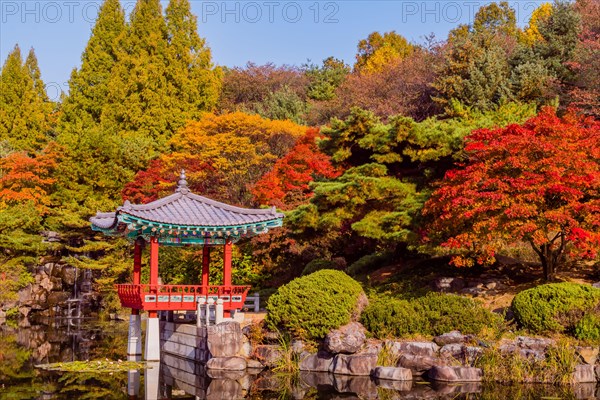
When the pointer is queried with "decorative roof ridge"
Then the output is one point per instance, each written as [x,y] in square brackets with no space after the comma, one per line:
[100,214]
[178,195]
[153,204]
[240,210]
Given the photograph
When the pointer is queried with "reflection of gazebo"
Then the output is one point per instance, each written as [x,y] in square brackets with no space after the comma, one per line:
[181,219]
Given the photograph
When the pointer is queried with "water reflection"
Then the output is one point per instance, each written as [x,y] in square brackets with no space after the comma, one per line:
[174,378]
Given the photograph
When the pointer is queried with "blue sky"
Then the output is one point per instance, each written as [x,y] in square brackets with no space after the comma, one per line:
[278,31]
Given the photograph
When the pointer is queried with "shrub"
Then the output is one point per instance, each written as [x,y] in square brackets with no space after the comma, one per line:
[554,307]
[433,314]
[369,262]
[317,265]
[588,328]
[310,306]
[387,317]
[447,312]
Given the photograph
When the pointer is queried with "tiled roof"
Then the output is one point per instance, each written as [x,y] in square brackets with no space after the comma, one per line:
[187,209]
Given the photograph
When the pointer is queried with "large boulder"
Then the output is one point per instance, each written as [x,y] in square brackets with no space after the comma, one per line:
[588,355]
[224,339]
[316,362]
[421,349]
[353,364]
[268,354]
[452,351]
[69,275]
[392,373]
[347,340]
[455,374]
[450,338]
[227,363]
[584,373]
[418,364]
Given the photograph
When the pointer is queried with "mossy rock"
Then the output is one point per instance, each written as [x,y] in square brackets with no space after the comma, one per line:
[310,306]
[554,307]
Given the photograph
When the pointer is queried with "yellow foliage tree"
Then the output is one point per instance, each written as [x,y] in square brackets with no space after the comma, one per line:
[377,51]
[531,34]
[223,155]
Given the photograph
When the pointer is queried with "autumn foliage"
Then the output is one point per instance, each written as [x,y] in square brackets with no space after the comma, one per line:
[287,184]
[223,156]
[537,183]
[24,178]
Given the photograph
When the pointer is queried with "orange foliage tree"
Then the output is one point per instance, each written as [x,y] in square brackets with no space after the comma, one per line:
[287,184]
[28,179]
[537,183]
[223,155]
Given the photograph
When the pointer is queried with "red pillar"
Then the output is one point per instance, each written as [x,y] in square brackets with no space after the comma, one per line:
[205,264]
[153,269]
[137,266]
[227,263]
[137,261]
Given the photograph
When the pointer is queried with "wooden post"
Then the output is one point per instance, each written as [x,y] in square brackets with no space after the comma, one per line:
[205,266]
[137,261]
[227,263]
[137,266]
[153,260]
[152,325]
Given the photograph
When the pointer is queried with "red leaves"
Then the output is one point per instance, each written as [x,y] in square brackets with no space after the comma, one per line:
[536,182]
[287,184]
[25,178]
[148,185]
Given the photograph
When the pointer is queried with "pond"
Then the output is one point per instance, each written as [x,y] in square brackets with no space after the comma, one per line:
[23,347]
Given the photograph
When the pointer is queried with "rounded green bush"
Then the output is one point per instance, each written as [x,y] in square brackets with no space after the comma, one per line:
[588,328]
[387,317]
[433,314]
[310,306]
[554,307]
[448,312]
[317,265]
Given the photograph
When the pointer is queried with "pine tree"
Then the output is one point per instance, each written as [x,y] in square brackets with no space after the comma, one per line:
[194,84]
[138,104]
[24,105]
[88,86]
[476,71]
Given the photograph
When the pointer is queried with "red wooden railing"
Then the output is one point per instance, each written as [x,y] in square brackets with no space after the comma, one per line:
[179,297]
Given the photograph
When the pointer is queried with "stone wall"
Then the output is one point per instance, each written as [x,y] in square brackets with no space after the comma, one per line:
[55,286]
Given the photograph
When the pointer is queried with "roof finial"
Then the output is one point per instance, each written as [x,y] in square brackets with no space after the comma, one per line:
[182,184]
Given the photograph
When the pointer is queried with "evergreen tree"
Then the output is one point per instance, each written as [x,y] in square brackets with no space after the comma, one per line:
[194,84]
[24,105]
[88,86]
[559,34]
[476,71]
[543,70]
[324,80]
[138,104]
[96,161]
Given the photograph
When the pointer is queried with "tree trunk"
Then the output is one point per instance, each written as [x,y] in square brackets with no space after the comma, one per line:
[549,259]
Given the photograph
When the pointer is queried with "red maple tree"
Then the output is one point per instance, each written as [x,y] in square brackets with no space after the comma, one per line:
[287,184]
[537,183]
[28,178]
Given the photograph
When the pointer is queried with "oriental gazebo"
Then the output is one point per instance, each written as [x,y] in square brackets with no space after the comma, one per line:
[181,219]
